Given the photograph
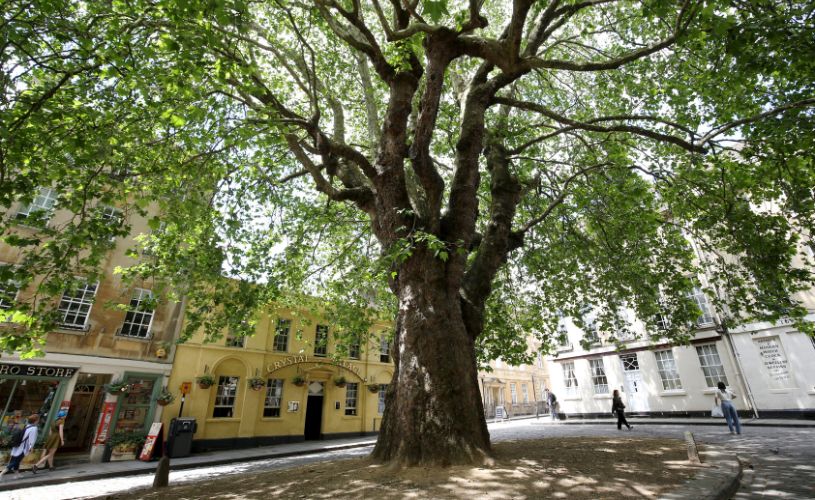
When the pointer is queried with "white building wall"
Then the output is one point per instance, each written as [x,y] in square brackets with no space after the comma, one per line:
[694,398]
[782,380]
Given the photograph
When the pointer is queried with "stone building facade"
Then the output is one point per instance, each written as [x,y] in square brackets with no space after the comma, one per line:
[94,344]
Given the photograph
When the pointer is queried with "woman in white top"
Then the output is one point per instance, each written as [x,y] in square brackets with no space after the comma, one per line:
[725,397]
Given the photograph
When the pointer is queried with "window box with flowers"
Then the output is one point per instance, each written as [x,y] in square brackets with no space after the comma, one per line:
[125,445]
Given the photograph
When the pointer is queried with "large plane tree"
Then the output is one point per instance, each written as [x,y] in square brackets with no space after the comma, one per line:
[478,168]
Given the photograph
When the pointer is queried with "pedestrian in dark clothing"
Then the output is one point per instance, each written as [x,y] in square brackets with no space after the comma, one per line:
[618,408]
[552,400]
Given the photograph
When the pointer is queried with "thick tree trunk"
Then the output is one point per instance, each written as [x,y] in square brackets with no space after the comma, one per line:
[433,414]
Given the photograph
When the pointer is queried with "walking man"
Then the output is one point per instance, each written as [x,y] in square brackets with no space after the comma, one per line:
[552,400]
[23,448]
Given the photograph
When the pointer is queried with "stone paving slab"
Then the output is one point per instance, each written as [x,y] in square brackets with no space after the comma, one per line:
[718,480]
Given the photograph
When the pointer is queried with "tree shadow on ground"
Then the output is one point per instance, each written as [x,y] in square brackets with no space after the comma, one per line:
[573,468]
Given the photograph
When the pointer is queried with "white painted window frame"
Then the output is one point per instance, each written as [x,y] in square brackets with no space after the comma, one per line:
[274,398]
[570,378]
[137,318]
[351,399]
[598,375]
[668,371]
[711,364]
[84,296]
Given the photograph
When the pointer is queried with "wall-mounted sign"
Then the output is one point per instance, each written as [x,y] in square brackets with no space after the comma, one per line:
[294,406]
[37,370]
[302,358]
[185,388]
[775,362]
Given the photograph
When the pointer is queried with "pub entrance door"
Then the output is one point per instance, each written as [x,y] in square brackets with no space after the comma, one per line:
[314,411]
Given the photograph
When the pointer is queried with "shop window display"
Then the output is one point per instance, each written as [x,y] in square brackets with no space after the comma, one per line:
[135,404]
[20,398]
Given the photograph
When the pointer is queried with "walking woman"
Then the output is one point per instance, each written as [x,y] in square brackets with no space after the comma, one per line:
[54,441]
[725,397]
[618,408]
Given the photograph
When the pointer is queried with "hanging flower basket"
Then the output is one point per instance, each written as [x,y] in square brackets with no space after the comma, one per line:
[165,397]
[256,383]
[298,380]
[373,388]
[205,381]
[117,387]
[340,381]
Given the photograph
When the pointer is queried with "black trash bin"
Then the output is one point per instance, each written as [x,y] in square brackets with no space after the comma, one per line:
[180,442]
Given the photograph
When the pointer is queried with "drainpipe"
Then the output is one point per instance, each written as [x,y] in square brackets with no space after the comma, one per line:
[739,370]
[723,330]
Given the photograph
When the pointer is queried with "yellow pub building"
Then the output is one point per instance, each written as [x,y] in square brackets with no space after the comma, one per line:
[283,384]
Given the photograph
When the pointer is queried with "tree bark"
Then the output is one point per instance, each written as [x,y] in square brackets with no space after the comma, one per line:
[433,412]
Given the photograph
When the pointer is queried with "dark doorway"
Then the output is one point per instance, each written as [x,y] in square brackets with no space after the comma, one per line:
[86,402]
[314,412]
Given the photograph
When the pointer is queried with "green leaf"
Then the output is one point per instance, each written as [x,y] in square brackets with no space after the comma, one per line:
[435,9]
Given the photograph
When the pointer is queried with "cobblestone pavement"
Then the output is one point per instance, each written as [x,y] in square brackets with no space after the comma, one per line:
[778,462]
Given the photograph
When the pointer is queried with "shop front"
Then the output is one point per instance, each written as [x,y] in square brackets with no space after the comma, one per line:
[78,389]
[137,404]
[125,416]
[27,389]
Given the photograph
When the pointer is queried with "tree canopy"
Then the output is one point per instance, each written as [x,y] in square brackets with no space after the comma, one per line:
[611,132]
[533,158]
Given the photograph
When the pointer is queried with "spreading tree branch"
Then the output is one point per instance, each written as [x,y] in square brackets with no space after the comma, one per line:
[592,125]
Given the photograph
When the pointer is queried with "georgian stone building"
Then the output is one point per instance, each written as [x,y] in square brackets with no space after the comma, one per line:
[95,343]
[518,390]
[771,367]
